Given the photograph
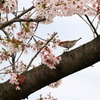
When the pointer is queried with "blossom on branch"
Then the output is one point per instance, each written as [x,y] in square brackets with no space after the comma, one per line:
[17,80]
[51,8]
[9,6]
[49,58]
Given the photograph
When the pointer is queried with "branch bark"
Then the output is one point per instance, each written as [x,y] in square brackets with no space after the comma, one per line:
[17,19]
[72,61]
[20,20]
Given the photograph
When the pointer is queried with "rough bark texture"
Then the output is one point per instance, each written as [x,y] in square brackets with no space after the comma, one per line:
[73,61]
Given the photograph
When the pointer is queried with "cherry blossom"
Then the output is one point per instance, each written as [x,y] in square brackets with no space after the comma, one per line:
[4,55]
[27,30]
[17,80]
[51,8]
[9,6]
[13,45]
[49,58]
[13,79]
[21,66]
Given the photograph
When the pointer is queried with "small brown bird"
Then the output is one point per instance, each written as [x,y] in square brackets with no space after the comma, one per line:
[68,44]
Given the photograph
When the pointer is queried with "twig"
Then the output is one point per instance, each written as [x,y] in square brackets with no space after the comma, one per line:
[19,20]
[40,51]
[5,67]
[13,63]
[98,24]
[39,37]
[24,12]
[34,30]
[86,22]
[90,8]
[5,33]
[29,20]
[94,18]
[19,56]
[83,19]
[3,73]
[92,25]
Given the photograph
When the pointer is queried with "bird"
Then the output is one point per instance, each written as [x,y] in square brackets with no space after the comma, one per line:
[68,44]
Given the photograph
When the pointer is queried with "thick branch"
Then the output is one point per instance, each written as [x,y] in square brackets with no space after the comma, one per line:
[29,20]
[72,61]
[20,20]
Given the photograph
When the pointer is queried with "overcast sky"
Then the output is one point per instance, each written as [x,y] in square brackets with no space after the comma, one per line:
[82,85]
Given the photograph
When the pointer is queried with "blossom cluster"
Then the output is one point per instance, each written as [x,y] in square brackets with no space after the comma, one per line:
[17,80]
[4,55]
[55,41]
[23,36]
[46,54]
[13,45]
[51,8]
[27,29]
[21,66]
[8,6]
[49,58]
[38,45]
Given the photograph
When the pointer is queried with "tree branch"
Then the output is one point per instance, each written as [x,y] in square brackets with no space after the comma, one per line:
[6,34]
[20,20]
[35,79]
[92,25]
[16,19]
[40,51]
[29,20]
[24,12]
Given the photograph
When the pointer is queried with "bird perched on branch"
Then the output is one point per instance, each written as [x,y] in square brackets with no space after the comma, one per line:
[68,44]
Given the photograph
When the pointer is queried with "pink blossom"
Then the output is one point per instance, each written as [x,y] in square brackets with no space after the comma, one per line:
[13,78]
[9,6]
[49,59]
[51,8]
[17,80]
[21,66]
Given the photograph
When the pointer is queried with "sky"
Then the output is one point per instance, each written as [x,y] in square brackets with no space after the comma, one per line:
[82,85]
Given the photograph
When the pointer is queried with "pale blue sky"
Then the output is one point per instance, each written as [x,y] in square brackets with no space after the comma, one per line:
[83,85]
